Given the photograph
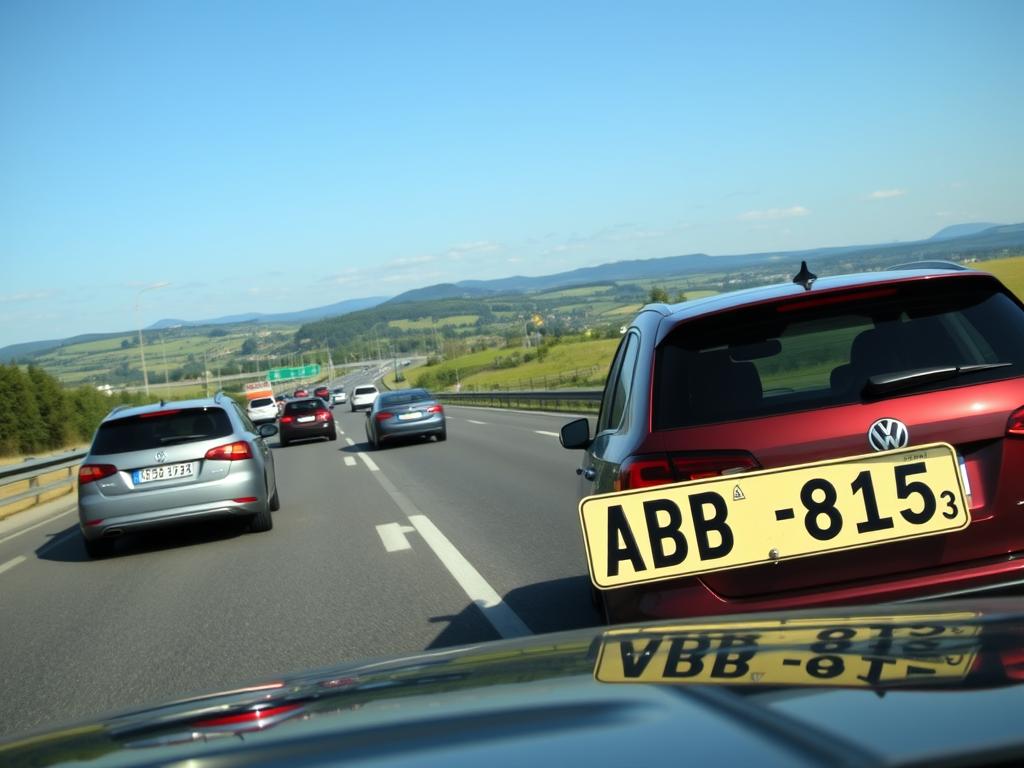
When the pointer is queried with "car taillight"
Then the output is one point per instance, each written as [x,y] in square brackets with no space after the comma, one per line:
[287,419]
[660,469]
[1015,426]
[435,409]
[87,473]
[323,415]
[230,452]
[383,416]
[690,466]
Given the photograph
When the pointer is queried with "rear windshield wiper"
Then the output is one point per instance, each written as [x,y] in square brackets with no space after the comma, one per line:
[892,382]
[183,438]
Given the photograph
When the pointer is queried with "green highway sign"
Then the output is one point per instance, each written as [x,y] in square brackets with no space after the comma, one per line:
[298,372]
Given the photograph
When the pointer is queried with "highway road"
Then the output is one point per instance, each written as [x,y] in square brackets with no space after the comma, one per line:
[408,549]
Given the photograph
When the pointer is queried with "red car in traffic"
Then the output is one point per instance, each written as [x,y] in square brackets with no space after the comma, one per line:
[849,439]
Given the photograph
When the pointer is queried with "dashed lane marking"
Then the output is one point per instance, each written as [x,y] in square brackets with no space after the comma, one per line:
[547,434]
[11,563]
[350,461]
[474,421]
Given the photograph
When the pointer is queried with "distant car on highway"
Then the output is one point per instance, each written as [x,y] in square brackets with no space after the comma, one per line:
[300,392]
[306,418]
[324,394]
[405,413]
[155,465]
[363,396]
[262,410]
[339,395]
[886,410]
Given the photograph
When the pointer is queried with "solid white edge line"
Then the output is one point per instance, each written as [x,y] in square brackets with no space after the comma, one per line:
[41,522]
[370,463]
[11,563]
[494,609]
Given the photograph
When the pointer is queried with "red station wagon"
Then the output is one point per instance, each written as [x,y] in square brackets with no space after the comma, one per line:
[849,439]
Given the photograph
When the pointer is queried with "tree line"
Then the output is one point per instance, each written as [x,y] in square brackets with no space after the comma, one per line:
[38,414]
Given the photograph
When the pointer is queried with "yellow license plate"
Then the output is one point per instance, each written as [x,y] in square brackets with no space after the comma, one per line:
[685,529]
[871,652]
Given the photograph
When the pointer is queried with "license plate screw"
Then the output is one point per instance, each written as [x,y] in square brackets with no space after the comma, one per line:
[773,555]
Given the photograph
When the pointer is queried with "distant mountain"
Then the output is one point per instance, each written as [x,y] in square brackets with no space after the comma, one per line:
[962,230]
[973,239]
[302,316]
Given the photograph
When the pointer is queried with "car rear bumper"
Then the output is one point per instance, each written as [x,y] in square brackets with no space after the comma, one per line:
[114,526]
[691,597]
[307,432]
[431,426]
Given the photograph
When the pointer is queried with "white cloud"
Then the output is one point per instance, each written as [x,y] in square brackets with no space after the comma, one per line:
[885,194]
[15,298]
[774,214]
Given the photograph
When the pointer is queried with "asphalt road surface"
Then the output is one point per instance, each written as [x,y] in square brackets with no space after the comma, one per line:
[407,549]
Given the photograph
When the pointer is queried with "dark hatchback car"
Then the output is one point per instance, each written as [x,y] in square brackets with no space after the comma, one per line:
[408,413]
[924,366]
[306,418]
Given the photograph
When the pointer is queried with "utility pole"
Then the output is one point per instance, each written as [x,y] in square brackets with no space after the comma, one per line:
[138,323]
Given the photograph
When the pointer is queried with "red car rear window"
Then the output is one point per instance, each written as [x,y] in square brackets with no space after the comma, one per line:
[780,358]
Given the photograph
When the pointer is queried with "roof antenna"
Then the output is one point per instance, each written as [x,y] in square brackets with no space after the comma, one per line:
[805,277]
[162,402]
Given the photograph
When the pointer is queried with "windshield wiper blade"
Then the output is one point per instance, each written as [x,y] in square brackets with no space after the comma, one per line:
[882,383]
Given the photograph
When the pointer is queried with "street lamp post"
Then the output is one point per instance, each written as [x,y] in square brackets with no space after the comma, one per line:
[138,322]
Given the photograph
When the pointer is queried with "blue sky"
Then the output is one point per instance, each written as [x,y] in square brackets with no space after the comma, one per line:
[272,157]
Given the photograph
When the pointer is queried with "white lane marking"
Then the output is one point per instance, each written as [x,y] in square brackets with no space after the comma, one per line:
[547,434]
[41,522]
[370,463]
[494,609]
[350,461]
[474,421]
[341,432]
[11,563]
[58,540]
[392,536]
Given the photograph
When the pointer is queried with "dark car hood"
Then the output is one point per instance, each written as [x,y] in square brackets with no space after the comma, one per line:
[930,683]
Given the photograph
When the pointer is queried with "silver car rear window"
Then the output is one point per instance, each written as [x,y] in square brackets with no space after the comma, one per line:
[160,429]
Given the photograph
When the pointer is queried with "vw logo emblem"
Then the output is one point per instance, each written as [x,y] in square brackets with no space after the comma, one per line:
[161,456]
[888,434]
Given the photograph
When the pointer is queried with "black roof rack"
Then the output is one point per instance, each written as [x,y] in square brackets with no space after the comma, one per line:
[933,264]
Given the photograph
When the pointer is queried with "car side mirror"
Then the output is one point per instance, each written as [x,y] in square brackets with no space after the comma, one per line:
[575,434]
[266,430]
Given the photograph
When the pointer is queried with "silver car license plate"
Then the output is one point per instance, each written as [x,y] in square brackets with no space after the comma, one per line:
[166,472]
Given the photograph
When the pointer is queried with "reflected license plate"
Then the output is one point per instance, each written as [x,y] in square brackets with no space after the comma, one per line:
[166,472]
[684,529]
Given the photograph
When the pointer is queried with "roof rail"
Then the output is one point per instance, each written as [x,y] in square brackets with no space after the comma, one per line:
[934,264]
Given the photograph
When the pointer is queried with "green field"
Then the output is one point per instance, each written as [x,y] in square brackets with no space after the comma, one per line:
[1009,271]
[426,323]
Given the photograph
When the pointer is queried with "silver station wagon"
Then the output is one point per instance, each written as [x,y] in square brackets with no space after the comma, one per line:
[167,463]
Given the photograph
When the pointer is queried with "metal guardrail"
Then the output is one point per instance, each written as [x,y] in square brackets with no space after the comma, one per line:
[33,469]
[515,399]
